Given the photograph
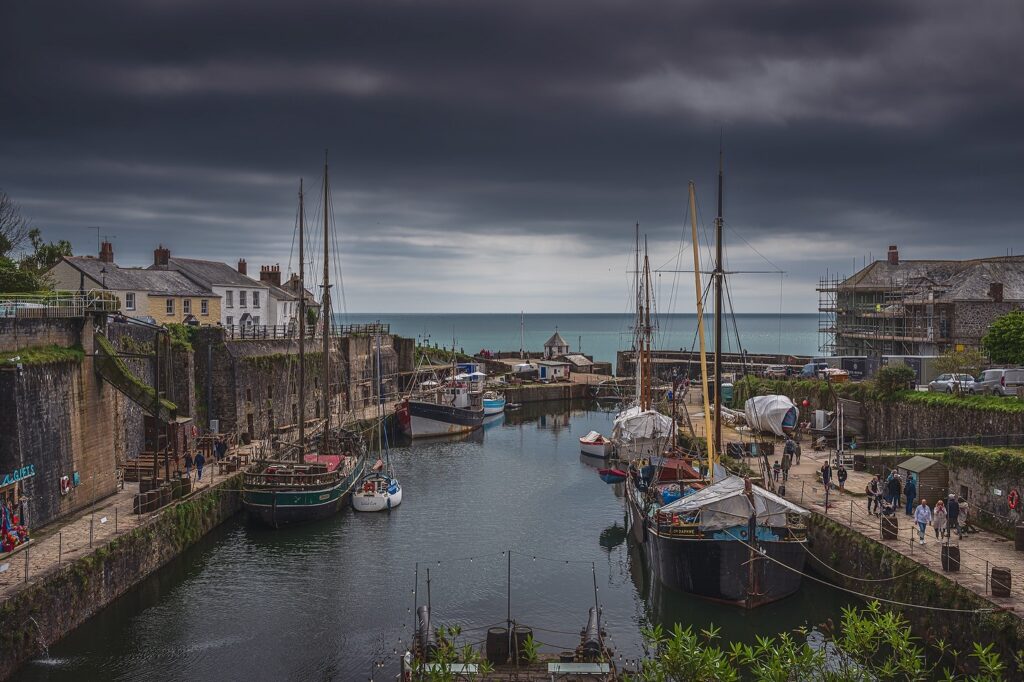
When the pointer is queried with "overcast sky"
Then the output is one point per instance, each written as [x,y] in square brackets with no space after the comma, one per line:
[494,156]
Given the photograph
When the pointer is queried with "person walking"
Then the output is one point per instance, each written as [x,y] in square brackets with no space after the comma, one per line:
[911,492]
[200,461]
[939,520]
[796,451]
[787,462]
[893,489]
[874,491]
[965,518]
[188,465]
[952,516]
[776,470]
[841,477]
[923,516]
[826,475]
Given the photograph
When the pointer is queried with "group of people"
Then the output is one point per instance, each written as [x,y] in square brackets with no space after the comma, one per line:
[790,456]
[220,451]
[945,518]
[841,475]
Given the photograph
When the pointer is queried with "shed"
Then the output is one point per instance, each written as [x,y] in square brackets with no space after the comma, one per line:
[553,370]
[931,475]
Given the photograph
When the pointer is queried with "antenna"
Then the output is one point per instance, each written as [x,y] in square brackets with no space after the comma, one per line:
[94,227]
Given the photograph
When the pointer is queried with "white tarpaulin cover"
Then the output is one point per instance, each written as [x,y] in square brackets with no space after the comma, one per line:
[724,505]
[639,433]
[766,413]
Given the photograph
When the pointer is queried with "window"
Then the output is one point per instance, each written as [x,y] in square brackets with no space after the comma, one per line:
[229,299]
[129,301]
[170,306]
[231,321]
[204,306]
[241,299]
[256,320]
[186,306]
[255,299]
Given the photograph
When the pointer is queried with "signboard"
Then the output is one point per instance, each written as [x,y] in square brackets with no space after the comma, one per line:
[18,475]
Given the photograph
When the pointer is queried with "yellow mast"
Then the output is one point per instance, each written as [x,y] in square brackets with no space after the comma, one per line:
[700,333]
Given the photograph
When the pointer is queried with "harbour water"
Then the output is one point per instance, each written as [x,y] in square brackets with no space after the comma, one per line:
[329,600]
[601,335]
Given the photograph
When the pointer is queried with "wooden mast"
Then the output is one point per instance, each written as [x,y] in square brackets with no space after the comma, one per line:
[700,333]
[719,277]
[325,312]
[645,386]
[302,326]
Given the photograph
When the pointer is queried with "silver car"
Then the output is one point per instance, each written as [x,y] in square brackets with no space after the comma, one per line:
[950,383]
[1000,381]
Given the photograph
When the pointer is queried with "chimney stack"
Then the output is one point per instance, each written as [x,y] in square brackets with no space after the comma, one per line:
[271,274]
[241,266]
[107,252]
[894,255]
[161,256]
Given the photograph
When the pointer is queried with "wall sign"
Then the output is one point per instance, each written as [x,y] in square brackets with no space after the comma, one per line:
[19,475]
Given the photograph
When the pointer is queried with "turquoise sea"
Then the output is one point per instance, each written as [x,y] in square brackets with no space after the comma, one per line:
[600,335]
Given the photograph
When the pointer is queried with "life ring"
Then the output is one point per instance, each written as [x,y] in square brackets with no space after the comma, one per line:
[1013,499]
[195,430]
[368,487]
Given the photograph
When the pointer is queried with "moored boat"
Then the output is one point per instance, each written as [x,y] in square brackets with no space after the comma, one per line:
[494,403]
[379,491]
[595,445]
[448,410]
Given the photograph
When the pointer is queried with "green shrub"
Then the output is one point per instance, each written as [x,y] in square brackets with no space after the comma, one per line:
[892,379]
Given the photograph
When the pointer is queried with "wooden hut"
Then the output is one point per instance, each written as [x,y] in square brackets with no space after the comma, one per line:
[932,477]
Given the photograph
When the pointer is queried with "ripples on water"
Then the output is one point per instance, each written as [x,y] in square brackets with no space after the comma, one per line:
[325,601]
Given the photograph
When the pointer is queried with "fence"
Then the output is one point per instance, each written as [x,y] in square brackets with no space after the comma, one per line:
[57,304]
[256,332]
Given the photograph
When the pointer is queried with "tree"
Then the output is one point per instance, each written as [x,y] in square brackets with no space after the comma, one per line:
[14,227]
[44,254]
[1004,341]
[894,378]
[14,279]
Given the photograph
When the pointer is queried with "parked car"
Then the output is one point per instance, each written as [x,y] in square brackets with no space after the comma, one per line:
[950,383]
[775,372]
[1000,381]
[812,370]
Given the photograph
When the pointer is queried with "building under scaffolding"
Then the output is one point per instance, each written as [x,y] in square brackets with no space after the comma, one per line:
[916,307]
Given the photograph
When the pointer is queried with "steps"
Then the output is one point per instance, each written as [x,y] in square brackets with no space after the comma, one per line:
[115,372]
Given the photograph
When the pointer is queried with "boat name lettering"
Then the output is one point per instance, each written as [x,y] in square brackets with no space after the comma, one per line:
[19,475]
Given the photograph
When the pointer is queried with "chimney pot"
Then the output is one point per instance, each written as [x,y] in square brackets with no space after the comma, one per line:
[161,256]
[242,266]
[894,255]
[107,252]
[271,273]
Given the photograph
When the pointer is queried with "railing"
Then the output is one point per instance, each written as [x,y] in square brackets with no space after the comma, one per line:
[237,332]
[56,304]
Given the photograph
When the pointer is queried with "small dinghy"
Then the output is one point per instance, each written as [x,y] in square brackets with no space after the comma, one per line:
[612,475]
[595,445]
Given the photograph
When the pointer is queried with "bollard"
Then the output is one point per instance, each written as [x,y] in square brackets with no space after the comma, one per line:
[60,546]
[91,519]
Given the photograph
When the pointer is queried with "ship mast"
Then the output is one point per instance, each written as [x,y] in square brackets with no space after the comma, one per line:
[700,333]
[645,352]
[325,312]
[302,326]
[719,275]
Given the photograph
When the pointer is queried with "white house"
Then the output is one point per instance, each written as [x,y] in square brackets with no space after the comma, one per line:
[283,306]
[244,302]
[552,370]
[555,347]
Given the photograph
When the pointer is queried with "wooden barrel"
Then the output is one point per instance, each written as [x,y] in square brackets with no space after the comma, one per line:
[166,495]
[497,646]
[567,657]
[520,633]
[1000,581]
[890,528]
[1018,538]
[950,556]
[138,503]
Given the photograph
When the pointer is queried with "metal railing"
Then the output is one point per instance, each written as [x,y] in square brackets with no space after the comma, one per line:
[57,304]
[256,332]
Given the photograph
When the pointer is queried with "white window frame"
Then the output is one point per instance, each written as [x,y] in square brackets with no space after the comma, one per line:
[230,321]
[241,298]
[129,300]
[169,306]
[186,306]
[255,299]
[204,306]
[229,299]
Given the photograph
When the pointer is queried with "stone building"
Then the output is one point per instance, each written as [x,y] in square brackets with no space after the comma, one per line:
[555,347]
[917,307]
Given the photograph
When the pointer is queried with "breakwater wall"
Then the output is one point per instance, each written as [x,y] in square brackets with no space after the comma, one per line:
[535,393]
[853,554]
[53,604]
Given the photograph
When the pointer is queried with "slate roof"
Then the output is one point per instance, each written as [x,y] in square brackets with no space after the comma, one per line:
[278,293]
[917,464]
[578,360]
[951,280]
[155,282]
[209,273]
[555,340]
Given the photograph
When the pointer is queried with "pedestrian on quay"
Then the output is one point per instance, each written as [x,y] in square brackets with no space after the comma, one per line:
[939,520]
[188,465]
[871,490]
[965,518]
[787,462]
[826,475]
[841,477]
[776,470]
[893,489]
[911,492]
[952,516]
[200,461]
[220,448]
[923,516]
[790,447]
[796,451]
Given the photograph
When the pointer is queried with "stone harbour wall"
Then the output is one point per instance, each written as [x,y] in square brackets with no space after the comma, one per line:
[16,332]
[938,425]
[67,596]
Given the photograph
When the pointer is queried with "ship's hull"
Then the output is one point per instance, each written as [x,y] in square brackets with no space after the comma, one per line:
[598,450]
[279,508]
[376,501]
[424,420]
[722,570]
[493,406]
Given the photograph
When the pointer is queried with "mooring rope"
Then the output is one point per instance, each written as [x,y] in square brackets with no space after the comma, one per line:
[853,577]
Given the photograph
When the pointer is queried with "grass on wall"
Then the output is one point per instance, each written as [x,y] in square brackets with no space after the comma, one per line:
[44,355]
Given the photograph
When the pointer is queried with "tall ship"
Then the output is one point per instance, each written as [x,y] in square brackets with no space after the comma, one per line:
[702,531]
[446,408]
[312,477]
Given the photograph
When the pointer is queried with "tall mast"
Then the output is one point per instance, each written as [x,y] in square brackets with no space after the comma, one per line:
[700,332]
[645,399]
[302,325]
[719,276]
[325,312]
[638,323]
[522,333]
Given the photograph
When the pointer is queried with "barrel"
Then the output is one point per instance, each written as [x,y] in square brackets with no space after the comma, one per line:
[520,633]
[497,646]
[1018,538]
[1000,581]
[166,495]
[950,556]
[890,528]
[138,502]
[567,657]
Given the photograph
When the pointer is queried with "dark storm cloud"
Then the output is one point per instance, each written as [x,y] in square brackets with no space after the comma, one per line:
[847,126]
